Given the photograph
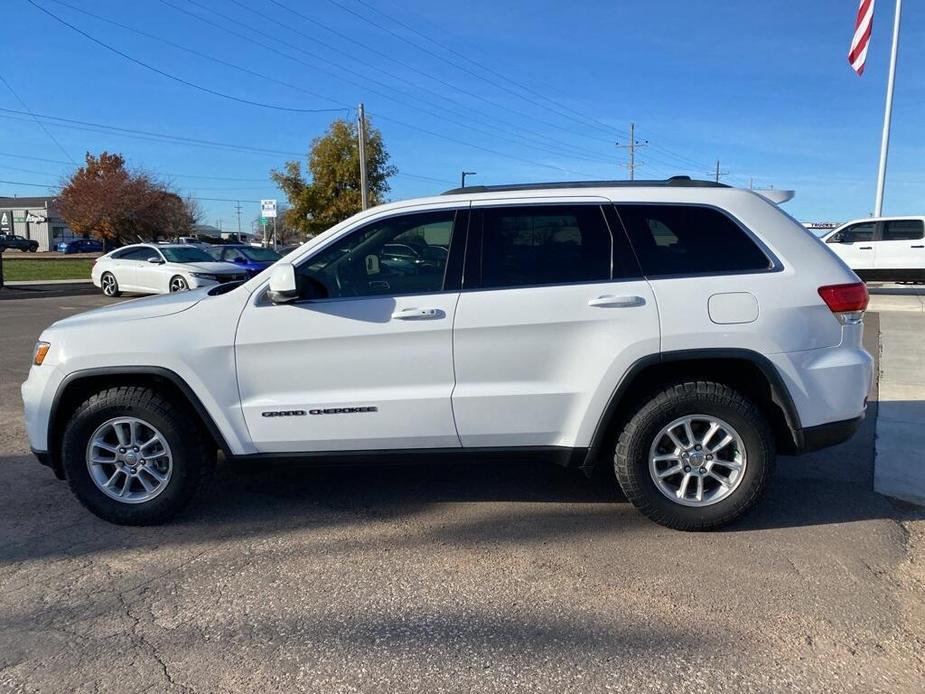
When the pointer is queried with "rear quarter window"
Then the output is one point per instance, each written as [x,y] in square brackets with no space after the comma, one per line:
[690,240]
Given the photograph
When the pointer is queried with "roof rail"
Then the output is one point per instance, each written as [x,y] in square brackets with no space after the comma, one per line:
[674,181]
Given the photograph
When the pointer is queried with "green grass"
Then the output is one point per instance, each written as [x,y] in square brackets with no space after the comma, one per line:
[58,269]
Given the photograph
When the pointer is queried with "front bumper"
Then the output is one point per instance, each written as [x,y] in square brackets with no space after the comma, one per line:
[46,459]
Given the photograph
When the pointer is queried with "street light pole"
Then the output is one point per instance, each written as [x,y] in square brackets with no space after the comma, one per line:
[463,177]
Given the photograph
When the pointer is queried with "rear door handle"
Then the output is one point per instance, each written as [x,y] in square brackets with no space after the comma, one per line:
[865,248]
[617,301]
[916,246]
[417,314]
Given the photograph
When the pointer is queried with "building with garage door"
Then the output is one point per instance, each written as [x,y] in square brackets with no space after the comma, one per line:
[34,218]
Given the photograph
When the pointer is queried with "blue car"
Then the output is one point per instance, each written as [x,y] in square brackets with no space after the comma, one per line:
[254,259]
[80,246]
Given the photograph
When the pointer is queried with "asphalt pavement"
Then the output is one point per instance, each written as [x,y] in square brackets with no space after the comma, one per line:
[451,578]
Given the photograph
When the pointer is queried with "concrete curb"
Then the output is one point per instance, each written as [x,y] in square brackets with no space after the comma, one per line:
[896,302]
[899,468]
[38,283]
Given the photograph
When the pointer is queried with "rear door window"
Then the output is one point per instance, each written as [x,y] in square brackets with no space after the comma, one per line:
[542,245]
[690,240]
[903,230]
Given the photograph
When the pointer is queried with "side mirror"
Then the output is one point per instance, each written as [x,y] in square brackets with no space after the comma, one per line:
[155,261]
[283,284]
[239,261]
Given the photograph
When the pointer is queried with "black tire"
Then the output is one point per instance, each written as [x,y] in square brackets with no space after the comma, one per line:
[179,282]
[192,457]
[631,458]
[116,291]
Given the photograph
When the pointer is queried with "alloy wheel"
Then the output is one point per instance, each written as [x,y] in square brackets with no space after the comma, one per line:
[129,460]
[178,284]
[697,460]
[109,284]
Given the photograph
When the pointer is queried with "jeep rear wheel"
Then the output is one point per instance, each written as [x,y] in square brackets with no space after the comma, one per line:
[133,457]
[695,456]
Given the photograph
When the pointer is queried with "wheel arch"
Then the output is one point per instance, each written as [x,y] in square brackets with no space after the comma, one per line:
[78,386]
[745,370]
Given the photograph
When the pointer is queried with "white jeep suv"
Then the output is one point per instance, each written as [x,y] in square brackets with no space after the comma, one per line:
[682,331]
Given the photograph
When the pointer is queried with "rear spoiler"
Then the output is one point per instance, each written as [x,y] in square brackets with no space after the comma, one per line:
[776,196]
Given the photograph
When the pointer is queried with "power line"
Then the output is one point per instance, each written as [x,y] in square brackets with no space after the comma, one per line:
[170,76]
[444,59]
[37,121]
[467,113]
[389,93]
[593,121]
[400,174]
[428,74]
[443,46]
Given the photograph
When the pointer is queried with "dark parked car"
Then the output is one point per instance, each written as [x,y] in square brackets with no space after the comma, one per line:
[80,246]
[20,242]
[254,259]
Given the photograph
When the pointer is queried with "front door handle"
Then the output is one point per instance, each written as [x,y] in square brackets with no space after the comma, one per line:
[916,246]
[617,301]
[417,314]
[865,248]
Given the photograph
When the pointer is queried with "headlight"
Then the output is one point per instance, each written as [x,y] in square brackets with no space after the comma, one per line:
[38,354]
[205,276]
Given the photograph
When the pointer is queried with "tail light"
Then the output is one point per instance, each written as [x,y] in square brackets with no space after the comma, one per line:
[847,301]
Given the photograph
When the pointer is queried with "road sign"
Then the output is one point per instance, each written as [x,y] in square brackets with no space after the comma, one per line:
[268,208]
[264,221]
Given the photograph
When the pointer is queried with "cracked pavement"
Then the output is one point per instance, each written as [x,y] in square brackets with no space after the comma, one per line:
[451,578]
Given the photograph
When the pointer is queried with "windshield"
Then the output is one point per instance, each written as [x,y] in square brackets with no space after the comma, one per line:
[178,254]
[260,254]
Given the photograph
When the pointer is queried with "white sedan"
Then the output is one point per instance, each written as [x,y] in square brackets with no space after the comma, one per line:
[149,269]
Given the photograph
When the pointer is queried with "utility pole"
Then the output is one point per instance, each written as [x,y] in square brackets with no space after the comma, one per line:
[237,208]
[888,112]
[631,149]
[361,136]
[717,173]
[462,182]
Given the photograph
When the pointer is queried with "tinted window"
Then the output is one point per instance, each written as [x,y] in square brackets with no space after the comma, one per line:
[363,264]
[260,254]
[862,232]
[233,254]
[537,245]
[137,253]
[186,254]
[689,240]
[903,230]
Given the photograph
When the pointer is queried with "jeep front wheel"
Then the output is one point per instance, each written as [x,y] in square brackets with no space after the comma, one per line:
[695,456]
[133,457]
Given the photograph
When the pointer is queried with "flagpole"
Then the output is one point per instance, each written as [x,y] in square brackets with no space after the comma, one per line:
[888,113]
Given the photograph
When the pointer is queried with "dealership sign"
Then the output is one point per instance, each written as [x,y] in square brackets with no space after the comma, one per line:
[268,208]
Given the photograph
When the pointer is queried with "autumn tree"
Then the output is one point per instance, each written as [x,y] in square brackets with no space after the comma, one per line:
[104,199]
[333,193]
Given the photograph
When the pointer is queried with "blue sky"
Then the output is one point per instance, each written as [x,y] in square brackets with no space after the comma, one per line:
[764,87]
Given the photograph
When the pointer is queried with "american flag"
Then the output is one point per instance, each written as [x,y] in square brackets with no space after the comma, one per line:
[857,56]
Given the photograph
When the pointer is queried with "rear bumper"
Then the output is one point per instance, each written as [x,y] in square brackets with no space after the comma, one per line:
[831,434]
